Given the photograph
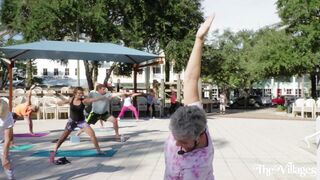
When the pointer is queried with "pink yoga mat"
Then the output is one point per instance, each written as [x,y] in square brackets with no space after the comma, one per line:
[29,135]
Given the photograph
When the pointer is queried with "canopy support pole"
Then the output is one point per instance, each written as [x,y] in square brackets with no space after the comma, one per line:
[135,72]
[10,64]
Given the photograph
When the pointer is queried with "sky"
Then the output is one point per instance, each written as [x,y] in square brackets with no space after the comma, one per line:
[241,14]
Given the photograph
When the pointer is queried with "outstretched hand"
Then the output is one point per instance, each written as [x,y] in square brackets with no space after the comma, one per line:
[204,28]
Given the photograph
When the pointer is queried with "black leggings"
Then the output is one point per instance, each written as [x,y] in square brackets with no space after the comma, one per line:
[153,110]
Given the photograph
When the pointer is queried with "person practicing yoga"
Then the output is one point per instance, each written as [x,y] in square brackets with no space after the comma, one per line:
[25,110]
[189,148]
[100,109]
[6,134]
[77,119]
[127,104]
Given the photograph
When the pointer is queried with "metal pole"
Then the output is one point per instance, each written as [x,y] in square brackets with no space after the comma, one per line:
[78,62]
[10,85]
[78,72]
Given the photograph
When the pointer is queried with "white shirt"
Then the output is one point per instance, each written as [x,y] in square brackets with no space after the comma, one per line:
[127,101]
[6,123]
[102,106]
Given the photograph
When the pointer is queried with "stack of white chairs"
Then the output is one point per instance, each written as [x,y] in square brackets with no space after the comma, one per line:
[142,104]
[64,90]
[298,107]
[49,107]
[317,108]
[37,91]
[115,105]
[306,107]
[19,92]
[309,108]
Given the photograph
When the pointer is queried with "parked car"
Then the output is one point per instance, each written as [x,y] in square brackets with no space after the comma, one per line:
[284,100]
[251,101]
[278,101]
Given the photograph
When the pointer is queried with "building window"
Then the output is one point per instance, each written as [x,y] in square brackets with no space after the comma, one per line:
[156,69]
[55,72]
[76,71]
[289,91]
[66,71]
[267,92]
[35,71]
[298,92]
[140,71]
[45,71]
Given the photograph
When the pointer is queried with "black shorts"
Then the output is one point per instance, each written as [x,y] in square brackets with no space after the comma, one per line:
[94,117]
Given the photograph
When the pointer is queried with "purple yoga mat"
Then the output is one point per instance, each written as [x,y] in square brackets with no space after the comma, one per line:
[29,135]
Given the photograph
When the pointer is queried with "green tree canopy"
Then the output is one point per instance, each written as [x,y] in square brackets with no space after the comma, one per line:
[147,25]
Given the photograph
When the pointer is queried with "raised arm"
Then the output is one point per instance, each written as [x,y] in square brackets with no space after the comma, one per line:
[116,95]
[136,94]
[64,101]
[91,100]
[192,73]
[30,94]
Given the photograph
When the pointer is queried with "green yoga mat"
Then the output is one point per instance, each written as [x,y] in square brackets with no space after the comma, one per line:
[76,153]
[102,129]
[22,147]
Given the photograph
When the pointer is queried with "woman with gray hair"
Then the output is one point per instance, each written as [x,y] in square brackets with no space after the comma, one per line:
[189,148]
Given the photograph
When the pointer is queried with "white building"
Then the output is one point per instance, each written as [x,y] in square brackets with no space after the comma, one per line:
[56,73]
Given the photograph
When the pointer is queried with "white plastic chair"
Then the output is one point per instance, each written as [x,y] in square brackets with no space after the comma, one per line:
[309,106]
[115,105]
[36,91]
[64,109]
[298,107]
[317,108]
[19,92]
[18,100]
[49,107]
[64,90]
[142,104]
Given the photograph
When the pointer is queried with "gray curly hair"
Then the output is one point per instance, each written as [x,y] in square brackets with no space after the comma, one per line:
[188,122]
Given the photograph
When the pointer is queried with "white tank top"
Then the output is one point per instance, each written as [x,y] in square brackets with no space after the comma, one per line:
[127,101]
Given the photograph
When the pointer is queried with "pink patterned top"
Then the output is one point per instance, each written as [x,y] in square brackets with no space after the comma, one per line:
[196,164]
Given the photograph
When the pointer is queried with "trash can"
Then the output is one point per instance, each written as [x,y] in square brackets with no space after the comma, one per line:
[289,108]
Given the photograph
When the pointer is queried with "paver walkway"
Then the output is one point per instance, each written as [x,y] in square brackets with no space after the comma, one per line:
[245,148]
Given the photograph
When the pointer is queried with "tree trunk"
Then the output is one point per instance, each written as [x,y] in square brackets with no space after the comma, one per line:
[88,70]
[3,75]
[29,73]
[108,74]
[313,85]
[95,71]
[167,71]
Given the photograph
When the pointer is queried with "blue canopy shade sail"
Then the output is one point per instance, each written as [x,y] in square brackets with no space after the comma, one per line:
[76,50]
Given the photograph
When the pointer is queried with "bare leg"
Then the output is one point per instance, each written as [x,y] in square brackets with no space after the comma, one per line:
[79,132]
[114,122]
[93,138]
[29,121]
[62,138]
[101,123]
